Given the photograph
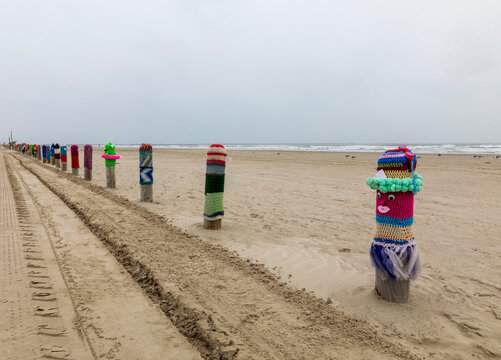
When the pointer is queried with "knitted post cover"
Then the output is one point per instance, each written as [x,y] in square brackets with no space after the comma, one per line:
[52,151]
[57,153]
[64,154]
[88,157]
[110,156]
[75,164]
[44,152]
[394,252]
[214,182]
[145,164]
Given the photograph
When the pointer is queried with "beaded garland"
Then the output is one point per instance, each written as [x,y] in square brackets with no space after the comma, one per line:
[145,164]
[88,157]
[75,164]
[214,182]
[394,253]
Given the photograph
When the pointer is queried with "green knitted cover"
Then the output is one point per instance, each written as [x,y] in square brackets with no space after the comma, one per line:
[109,149]
[214,184]
[213,203]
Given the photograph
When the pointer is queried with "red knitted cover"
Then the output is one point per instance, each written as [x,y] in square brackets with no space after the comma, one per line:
[74,157]
[398,205]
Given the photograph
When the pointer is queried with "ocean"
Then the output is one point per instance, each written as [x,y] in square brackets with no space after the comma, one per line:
[417,148]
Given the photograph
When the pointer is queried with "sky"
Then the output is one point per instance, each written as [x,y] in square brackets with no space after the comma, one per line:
[255,71]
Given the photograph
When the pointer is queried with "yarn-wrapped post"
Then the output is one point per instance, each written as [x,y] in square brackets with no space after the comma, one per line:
[52,157]
[394,253]
[64,157]
[57,155]
[88,162]
[214,187]
[110,158]
[39,151]
[44,153]
[146,172]
[75,164]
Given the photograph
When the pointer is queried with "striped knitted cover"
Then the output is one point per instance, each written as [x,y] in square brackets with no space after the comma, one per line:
[64,154]
[44,151]
[394,252]
[75,164]
[57,154]
[145,164]
[88,157]
[214,182]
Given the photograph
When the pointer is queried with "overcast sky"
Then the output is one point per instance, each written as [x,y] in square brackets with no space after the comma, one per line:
[255,71]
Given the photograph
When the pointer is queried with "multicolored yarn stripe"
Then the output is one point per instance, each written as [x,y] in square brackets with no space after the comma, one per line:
[394,252]
[88,157]
[64,154]
[75,164]
[145,164]
[214,182]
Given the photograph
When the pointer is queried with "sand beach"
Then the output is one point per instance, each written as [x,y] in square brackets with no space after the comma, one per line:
[288,276]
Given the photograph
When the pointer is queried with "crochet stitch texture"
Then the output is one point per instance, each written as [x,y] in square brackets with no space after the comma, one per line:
[394,252]
[214,182]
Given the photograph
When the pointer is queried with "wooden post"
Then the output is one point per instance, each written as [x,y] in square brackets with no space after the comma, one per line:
[64,157]
[110,158]
[395,291]
[52,157]
[110,177]
[214,187]
[75,164]
[88,162]
[146,172]
[57,155]
[44,153]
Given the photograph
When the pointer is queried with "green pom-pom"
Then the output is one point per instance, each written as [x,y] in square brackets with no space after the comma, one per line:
[394,184]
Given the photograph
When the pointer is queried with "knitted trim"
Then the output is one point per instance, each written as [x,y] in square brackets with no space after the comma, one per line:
[395,184]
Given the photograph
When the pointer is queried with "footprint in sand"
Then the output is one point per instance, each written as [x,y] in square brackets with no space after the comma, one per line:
[55,352]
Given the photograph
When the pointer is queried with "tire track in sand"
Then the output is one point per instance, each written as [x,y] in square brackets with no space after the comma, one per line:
[228,307]
[115,317]
[40,321]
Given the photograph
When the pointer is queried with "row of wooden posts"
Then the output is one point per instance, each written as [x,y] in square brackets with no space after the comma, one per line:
[58,156]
